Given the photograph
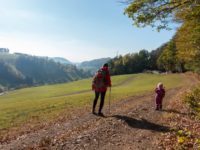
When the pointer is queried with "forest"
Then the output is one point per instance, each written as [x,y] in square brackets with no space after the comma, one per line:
[180,54]
[22,70]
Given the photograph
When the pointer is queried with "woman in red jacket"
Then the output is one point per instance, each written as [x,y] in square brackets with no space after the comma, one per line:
[100,83]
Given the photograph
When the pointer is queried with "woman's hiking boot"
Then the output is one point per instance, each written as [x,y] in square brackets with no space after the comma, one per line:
[101,114]
[93,112]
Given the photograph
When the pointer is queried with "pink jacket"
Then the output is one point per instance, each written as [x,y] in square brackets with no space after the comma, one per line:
[160,93]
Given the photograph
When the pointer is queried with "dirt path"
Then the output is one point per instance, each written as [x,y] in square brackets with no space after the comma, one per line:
[132,124]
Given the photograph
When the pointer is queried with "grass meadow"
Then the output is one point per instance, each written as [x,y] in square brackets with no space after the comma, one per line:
[47,102]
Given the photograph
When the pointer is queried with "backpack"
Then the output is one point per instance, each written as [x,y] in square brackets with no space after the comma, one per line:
[99,80]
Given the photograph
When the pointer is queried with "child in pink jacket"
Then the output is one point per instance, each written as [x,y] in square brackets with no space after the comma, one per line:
[160,93]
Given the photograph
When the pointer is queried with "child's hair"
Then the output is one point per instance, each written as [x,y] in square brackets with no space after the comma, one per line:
[160,85]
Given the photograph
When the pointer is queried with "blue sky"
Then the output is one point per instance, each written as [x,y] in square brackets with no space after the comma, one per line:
[74,29]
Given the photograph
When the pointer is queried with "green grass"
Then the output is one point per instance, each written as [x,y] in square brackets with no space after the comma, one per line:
[46,102]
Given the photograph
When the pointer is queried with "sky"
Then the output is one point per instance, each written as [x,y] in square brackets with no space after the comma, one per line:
[77,30]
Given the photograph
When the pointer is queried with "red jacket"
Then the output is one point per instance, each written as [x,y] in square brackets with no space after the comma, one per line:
[107,83]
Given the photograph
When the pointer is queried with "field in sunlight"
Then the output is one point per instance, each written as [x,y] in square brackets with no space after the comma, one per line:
[46,102]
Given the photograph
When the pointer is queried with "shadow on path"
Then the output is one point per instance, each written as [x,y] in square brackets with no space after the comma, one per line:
[142,124]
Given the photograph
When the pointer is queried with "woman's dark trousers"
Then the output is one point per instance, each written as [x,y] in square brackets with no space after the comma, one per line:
[96,99]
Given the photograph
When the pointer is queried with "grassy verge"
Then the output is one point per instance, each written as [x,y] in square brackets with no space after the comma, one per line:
[193,100]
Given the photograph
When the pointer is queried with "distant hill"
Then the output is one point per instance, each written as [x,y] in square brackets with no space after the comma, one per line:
[93,65]
[22,70]
[61,60]
[4,50]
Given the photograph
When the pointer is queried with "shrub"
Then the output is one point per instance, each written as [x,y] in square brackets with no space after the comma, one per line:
[193,100]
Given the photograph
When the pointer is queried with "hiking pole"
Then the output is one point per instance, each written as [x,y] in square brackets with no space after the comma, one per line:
[109,99]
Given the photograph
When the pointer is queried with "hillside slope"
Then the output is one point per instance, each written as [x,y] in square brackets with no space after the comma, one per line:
[93,65]
[21,70]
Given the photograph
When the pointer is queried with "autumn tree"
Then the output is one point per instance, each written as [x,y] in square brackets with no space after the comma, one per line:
[188,38]
[157,13]
[168,59]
